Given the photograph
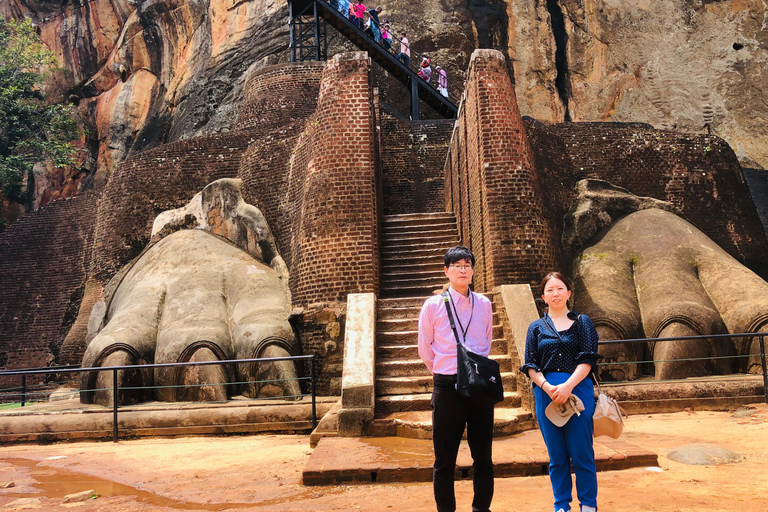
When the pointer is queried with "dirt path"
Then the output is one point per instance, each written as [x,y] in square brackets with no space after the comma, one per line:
[264,473]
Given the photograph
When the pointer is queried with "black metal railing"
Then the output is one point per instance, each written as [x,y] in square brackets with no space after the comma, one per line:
[28,392]
[709,337]
[329,10]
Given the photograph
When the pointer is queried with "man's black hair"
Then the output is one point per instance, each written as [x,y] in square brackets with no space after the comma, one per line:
[458,253]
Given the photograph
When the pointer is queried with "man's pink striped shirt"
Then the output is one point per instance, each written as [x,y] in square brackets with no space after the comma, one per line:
[437,344]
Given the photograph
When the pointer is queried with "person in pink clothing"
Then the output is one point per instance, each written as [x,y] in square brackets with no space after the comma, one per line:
[405,50]
[442,81]
[425,73]
[451,412]
[356,13]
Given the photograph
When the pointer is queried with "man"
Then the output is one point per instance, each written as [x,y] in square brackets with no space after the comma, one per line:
[473,316]
[375,32]
[405,50]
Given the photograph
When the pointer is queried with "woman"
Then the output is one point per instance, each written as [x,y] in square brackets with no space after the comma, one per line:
[356,13]
[442,81]
[560,354]
[426,71]
[386,36]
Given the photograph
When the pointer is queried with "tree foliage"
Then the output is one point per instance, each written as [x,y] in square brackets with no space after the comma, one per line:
[31,130]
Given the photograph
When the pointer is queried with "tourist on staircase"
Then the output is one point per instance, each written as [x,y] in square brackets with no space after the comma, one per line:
[357,14]
[442,81]
[560,354]
[386,36]
[425,73]
[405,50]
[374,16]
[451,412]
[343,7]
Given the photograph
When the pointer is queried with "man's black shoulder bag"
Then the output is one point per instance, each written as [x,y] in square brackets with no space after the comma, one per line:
[478,378]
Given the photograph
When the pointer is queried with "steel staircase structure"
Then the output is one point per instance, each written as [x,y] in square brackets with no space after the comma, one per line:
[308,20]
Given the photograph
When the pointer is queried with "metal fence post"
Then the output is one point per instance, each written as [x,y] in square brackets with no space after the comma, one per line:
[114,405]
[312,382]
[765,372]
[23,389]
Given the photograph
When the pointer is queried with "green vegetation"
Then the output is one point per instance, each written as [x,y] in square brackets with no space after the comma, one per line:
[31,130]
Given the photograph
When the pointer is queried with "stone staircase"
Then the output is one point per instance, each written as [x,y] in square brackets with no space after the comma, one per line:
[412,269]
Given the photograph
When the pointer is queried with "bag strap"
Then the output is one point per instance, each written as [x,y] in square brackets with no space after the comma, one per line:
[447,302]
[597,382]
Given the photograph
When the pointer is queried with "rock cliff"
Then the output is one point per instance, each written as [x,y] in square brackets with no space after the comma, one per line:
[148,72]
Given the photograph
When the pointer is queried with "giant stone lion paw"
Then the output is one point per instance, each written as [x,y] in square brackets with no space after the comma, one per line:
[210,286]
[641,271]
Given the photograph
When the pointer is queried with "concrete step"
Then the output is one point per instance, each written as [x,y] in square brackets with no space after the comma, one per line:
[407,291]
[410,350]
[415,248]
[713,393]
[415,367]
[418,218]
[384,460]
[406,274]
[392,313]
[432,238]
[423,384]
[390,338]
[435,280]
[403,302]
[390,229]
[412,324]
[421,402]
[405,255]
[418,424]
[397,338]
[407,262]
[434,265]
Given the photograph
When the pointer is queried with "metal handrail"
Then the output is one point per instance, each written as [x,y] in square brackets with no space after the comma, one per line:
[760,335]
[415,57]
[114,369]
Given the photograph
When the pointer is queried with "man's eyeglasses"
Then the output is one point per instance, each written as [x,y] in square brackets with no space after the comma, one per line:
[461,267]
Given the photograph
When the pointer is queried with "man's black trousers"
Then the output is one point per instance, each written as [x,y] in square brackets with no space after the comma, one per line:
[450,413]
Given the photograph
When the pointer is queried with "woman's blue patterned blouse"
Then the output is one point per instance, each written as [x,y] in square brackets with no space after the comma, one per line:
[546,352]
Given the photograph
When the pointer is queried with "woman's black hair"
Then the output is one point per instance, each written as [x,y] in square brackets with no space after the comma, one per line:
[555,275]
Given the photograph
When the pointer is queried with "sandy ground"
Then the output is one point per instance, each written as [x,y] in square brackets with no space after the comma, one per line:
[264,473]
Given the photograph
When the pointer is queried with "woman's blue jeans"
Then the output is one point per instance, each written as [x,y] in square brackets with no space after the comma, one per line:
[570,443]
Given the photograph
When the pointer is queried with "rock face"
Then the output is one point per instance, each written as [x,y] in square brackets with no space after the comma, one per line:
[689,65]
[148,72]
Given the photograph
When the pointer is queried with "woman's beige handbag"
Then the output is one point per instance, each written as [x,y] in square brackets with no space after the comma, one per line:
[608,419]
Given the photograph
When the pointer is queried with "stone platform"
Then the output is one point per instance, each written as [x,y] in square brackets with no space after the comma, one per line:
[69,420]
[338,460]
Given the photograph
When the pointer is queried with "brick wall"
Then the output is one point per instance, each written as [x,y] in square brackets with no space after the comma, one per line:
[332,193]
[306,148]
[43,264]
[492,184]
[511,183]
[279,101]
[412,158]
[279,96]
[699,174]
[152,182]
[316,184]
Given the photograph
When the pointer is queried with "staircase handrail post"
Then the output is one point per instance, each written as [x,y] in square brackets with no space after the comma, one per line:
[765,370]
